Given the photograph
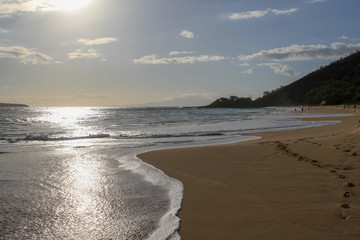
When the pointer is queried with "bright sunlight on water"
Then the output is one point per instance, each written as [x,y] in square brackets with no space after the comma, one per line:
[67,188]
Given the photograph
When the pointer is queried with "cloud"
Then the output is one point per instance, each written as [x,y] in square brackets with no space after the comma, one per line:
[90,53]
[3,30]
[244,65]
[247,15]
[316,1]
[153,59]
[97,41]
[248,71]
[24,55]
[10,7]
[259,14]
[187,34]
[303,52]
[7,8]
[283,12]
[79,53]
[280,69]
[174,53]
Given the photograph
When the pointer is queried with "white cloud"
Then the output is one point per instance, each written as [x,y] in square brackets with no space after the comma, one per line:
[280,69]
[3,30]
[10,7]
[90,53]
[244,65]
[13,6]
[259,14]
[187,34]
[248,71]
[303,52]
[153,59]
[247,15]
[316,1]
[79,53]
[174,53]
[282,12]
[97,41]
[24,55]
[344,37]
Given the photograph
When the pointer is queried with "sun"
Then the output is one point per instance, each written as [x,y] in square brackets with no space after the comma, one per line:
[68,5]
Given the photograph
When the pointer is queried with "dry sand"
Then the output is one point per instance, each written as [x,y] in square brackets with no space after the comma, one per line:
[302,184]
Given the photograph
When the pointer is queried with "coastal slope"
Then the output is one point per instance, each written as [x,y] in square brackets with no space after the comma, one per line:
[337,83]
[302,184]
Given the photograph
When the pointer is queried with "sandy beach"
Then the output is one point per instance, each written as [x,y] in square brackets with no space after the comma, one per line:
[302,184]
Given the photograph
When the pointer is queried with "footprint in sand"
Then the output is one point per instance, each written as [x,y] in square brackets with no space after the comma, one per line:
[345,205]
[344,214]
[350,184]
[346,194]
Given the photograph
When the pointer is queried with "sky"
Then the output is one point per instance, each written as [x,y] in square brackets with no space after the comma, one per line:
[165,52]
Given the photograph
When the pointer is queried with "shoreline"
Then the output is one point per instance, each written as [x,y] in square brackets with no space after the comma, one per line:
[295,184]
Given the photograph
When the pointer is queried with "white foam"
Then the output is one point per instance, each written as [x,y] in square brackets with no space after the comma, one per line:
[170,223]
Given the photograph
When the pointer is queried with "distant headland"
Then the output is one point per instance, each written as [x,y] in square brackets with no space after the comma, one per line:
[335,84]
[12,105]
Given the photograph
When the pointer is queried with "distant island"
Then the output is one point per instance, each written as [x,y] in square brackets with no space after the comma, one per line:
[12,105]
[337,83]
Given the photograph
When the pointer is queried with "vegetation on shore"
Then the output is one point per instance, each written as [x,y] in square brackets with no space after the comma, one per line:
[337,83]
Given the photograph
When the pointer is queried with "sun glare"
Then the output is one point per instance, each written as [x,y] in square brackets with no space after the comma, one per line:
[68,5]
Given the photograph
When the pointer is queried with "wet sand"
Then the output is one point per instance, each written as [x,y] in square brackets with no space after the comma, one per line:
[302,184]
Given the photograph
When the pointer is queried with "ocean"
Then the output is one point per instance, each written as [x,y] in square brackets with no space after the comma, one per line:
[72,172]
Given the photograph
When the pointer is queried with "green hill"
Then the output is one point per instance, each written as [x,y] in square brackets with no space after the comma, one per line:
[337,83]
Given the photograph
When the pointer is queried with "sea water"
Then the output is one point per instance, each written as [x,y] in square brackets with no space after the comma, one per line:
[72,173]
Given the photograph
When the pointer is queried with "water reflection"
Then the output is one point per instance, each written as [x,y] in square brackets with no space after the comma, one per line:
[73,119]
[84,179]
[83,207]
[74,189]
[67,116]
[101,200]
